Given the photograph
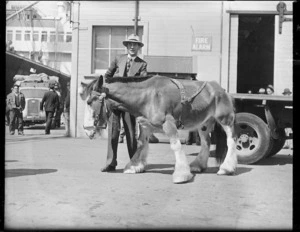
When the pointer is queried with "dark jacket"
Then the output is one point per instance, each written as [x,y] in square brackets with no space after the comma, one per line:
[51,101]
[67,102]
[11,101]
[118,67]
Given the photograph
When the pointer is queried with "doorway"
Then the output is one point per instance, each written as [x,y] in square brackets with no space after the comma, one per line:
[255,61]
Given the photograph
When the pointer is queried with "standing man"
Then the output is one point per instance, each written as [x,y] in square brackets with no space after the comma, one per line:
[122,66]
[50,102]
[67,111]
[60,108]
[16,104]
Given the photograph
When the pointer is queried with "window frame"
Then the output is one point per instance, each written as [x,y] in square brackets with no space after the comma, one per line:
[11,33]
[44,34]
[36,33]
[18,33]
[27,33]
[144,51]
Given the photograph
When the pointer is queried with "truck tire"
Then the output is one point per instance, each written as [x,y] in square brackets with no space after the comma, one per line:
[276,144]
[253,138]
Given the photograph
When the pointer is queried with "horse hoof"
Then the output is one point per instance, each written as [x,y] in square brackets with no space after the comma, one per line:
[225,172]
[178,179]
[134,169]
[129,171]
[196,169]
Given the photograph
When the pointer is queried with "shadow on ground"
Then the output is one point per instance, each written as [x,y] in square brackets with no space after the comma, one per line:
[276,160]
[26,172]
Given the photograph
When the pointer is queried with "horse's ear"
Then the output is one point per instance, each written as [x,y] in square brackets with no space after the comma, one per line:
[100,81]
[82,87]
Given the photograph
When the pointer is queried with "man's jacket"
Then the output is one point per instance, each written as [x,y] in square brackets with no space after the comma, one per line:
[118,67]
[11,101]
[51,101]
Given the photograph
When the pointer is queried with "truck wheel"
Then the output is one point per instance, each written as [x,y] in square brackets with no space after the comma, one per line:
[276,144]
[253,138]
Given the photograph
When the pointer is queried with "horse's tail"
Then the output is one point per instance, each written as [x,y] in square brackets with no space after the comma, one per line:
[221,143]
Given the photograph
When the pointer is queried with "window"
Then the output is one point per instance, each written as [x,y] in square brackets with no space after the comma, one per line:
[9,35]
[69,37]
[35,36]
[44,36]
[60,37]
[27,35]
[107,44]
[52,36]
[18,35]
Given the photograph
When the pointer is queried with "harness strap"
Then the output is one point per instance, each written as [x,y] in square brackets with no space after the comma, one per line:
[184,98]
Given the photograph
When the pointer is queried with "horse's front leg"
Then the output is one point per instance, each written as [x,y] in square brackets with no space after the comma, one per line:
[138,162]
[182,171]
[228,167]
[201,160]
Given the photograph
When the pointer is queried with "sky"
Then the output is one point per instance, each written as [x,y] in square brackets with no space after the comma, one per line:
[45,8]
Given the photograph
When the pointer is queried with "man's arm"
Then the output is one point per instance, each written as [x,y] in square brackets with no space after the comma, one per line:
[144,69]
[42,102]
[112,69]
[23,102]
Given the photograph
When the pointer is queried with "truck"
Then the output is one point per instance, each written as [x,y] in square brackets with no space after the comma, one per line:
[34,86]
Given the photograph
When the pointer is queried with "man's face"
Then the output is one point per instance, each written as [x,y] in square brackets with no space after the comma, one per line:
[16,89]
[133,48]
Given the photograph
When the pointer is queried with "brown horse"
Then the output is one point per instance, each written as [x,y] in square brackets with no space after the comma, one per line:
[161,105]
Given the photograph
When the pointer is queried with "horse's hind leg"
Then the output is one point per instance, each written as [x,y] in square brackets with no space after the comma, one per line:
[228,167]
[200,162]
[182,171]
[138,162]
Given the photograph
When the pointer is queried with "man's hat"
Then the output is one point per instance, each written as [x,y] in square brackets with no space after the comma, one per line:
[262,90]
[286,91]
[17,83]
[271,87]
[133,39]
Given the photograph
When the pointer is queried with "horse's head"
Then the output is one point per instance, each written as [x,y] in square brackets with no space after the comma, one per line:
[96,113]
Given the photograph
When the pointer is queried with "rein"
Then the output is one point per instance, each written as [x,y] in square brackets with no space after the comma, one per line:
[101,99]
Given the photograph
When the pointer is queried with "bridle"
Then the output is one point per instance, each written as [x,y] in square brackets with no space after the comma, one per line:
[102,109]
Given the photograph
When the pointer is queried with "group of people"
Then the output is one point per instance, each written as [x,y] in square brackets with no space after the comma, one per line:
[51,103]
[270,90]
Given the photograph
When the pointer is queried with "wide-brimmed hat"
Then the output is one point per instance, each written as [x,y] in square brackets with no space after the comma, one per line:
[286,91]
[133,39]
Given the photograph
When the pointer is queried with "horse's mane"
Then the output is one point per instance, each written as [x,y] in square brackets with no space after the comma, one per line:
[128,79]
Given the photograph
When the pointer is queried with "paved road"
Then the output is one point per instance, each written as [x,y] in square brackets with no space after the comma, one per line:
[54,182]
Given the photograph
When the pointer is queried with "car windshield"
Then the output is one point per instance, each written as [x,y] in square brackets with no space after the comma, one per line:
[33,93]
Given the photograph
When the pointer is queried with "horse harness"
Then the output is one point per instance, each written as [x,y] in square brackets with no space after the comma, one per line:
[184,99]
[101,99]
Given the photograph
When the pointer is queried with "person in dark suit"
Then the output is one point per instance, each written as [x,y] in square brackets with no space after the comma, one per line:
[15,105]
[50,102]
[122,66]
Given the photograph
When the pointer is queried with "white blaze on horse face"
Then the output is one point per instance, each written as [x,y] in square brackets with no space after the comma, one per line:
[88,123]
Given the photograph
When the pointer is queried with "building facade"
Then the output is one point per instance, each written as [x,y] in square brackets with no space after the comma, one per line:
[240,44]
[46,40]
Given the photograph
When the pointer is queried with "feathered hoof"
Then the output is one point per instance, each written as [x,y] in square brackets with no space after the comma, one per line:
[196,168]
[130,169]
[179,178]
[226,172]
